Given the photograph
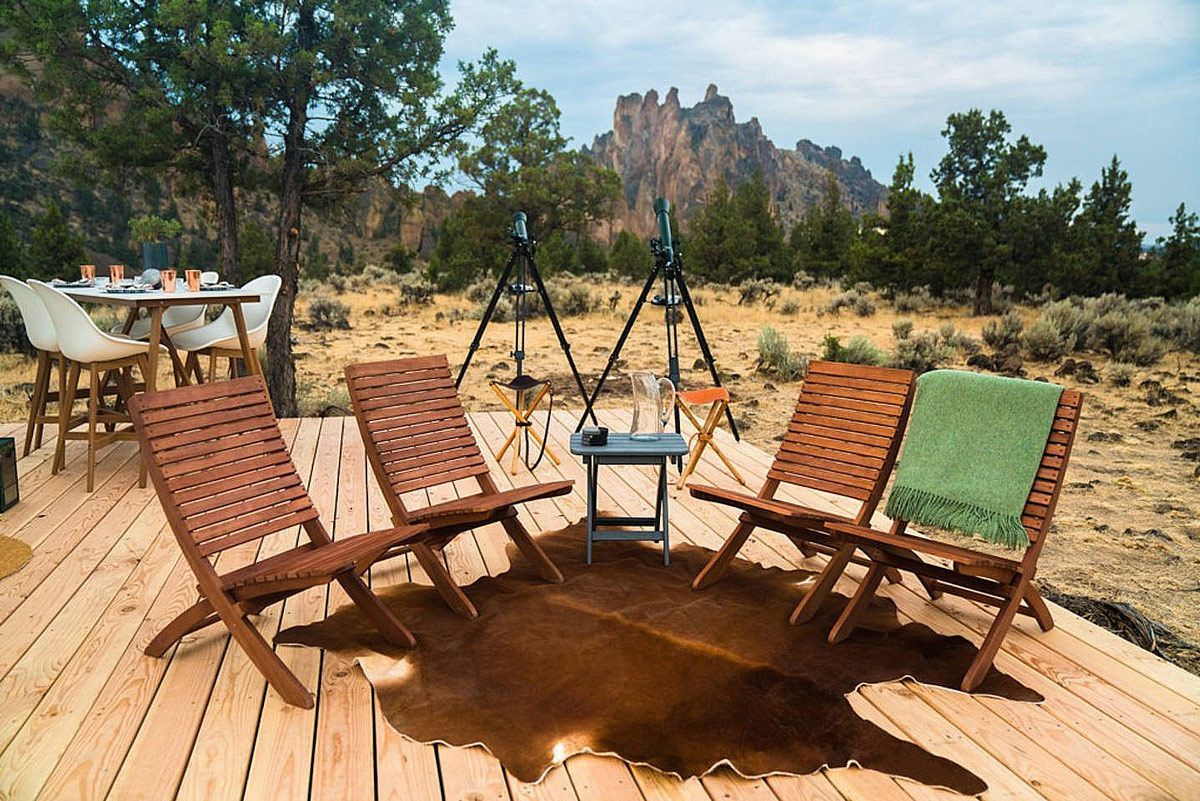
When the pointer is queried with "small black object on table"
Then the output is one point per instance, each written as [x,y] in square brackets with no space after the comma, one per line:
[623,449]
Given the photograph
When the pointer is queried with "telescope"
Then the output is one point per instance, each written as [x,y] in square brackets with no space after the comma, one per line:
[662,212]
[668,266]
[518,231]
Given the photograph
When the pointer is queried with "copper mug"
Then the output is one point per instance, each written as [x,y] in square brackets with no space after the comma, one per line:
[116,273]
[193,280]
[168,280]
[87,272]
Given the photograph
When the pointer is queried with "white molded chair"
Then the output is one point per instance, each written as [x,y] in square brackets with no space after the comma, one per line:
[86,347]
[39,329]
[175,318]
[219,338]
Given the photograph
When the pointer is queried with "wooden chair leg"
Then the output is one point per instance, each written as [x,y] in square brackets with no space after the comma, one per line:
[1041,612]
[443,582]
[532,552]
[719,562]
[995,637]
[807,609]
[193,618]
[40,386]
[388,625]
[93,409]
[66,400]
[212,366]
[692,463]
[277,674]
[143,464]
[858,604]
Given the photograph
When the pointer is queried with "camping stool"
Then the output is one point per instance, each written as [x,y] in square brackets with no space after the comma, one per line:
[528,392]
[719,398]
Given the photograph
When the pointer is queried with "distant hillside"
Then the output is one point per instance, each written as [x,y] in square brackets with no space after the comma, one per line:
[678,153]
[30,158]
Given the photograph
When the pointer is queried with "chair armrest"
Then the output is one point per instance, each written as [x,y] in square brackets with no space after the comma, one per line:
[754,504]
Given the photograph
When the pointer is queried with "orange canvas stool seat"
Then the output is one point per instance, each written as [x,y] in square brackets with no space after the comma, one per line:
[718,398]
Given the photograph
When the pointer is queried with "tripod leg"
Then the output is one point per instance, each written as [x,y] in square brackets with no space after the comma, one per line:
[616,352]
[558,332]
[704,349]
[487,316]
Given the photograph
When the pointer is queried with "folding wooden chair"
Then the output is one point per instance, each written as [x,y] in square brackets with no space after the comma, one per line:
[416,435]
[842,439]
[718,400]
[225,479]
[978,576]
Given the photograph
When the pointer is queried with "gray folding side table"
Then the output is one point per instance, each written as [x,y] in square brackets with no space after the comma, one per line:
[622,449]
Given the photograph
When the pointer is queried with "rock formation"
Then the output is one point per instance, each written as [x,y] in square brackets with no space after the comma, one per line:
[678,153]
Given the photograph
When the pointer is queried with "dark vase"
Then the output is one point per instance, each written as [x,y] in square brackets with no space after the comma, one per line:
[155,256]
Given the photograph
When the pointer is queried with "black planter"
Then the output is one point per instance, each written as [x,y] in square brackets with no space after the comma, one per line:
[155,256]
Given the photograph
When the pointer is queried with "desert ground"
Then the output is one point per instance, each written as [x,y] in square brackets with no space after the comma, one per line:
[1128,523]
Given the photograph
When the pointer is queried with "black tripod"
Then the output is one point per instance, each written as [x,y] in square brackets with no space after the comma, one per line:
[668,265]
[526,281]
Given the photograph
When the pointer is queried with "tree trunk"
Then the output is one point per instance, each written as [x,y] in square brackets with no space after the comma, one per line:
[222,186]
[983,289]
[281,366]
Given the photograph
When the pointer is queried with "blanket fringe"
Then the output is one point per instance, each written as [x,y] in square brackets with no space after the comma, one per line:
[931,509]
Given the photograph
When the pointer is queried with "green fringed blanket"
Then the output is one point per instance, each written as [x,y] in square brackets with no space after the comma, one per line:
[972,452]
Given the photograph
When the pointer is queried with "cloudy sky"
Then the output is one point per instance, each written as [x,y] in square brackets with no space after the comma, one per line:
[1084,79]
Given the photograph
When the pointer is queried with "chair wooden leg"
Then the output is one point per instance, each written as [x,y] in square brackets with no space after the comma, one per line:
[995,637]
[212,366]
[143,463]
[1041,612]
[719,562]
[858,604]
[532,552]
[40,385]
[816,595]
[692,462]
[451,593]
[388,625]
[93,408]
[66,400]
[277,674]
[193,618]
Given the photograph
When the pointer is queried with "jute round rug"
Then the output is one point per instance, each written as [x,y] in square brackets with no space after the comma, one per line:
[13,555]
[625,658]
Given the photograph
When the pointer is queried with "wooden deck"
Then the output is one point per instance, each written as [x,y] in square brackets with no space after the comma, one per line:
[83,714]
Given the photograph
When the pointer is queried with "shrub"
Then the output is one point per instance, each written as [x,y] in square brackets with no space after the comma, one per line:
[1126,336]
[802,280]
[859,351]
[1179,324]
[790,308]
[775,356]
[1005,333]
[902,329]
[921,352]
[12,328]
[1002,299]
[915,301]
[414,288]
[760,290]
[855,299]
[1046,342]
[326,314]
[572,298]
[1121,375]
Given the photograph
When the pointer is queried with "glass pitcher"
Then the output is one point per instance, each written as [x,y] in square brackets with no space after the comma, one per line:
[653,400]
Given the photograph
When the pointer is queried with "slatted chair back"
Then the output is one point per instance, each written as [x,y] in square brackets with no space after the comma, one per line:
[1043,495]
[219,464]
[413,425]
[845,432]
